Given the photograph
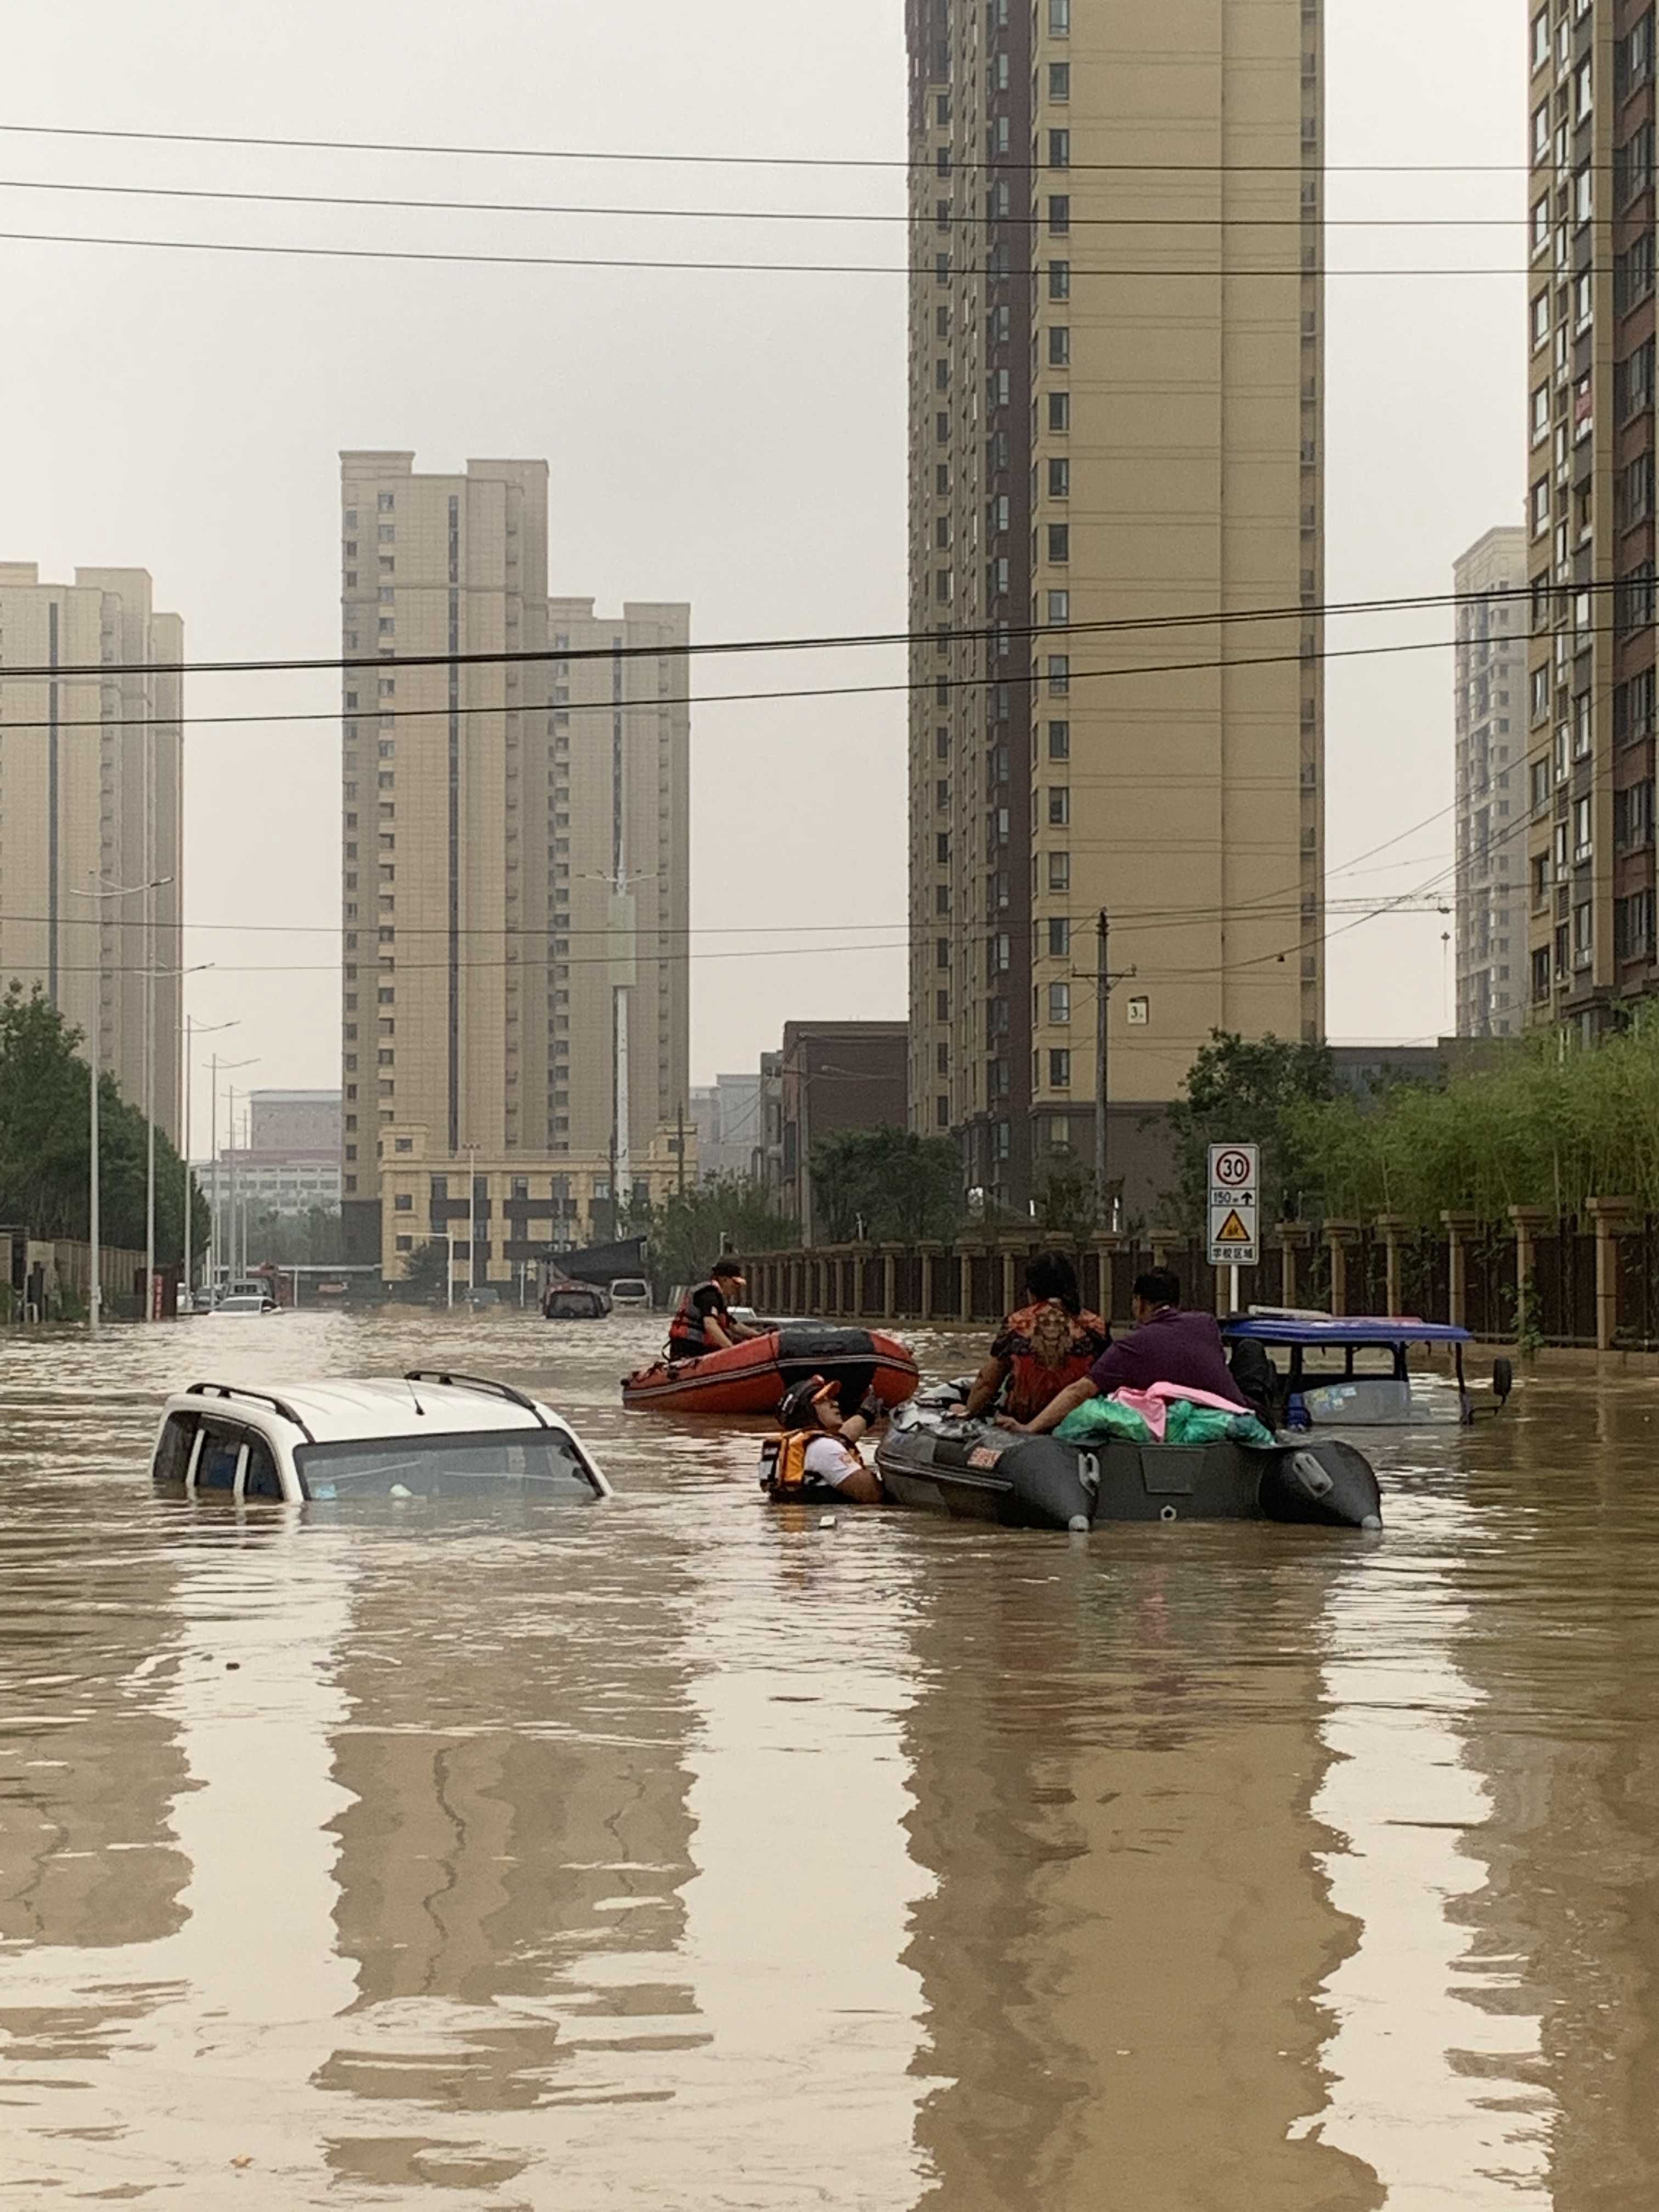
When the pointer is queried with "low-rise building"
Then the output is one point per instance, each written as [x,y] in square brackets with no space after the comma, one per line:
[525,1209]
[836,1075]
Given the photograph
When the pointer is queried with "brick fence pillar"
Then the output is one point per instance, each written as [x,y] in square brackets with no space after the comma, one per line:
[1294,1237]
[1612,1217]
[1341,1237]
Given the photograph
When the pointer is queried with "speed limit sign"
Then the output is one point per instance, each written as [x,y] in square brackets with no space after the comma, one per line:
[1235,1175]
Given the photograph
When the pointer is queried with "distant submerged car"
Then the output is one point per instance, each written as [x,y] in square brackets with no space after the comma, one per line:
[630,1294]
[574,1302]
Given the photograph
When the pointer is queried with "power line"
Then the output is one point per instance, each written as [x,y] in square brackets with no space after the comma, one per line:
[921,683]
[833,641]
[921,221]
[1295,272]
[656,158]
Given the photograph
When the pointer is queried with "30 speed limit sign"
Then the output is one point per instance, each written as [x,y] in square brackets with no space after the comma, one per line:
[1235,1175]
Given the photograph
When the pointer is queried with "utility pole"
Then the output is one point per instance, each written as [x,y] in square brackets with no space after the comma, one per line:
[680,1131]
[473,1218]
[190,1033]
[94,1292]
[1104,979]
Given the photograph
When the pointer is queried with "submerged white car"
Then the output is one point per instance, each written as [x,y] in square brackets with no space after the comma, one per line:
[429,1433]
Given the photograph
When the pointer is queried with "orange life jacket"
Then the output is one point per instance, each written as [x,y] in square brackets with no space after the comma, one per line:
[687,1336]
[783,1464]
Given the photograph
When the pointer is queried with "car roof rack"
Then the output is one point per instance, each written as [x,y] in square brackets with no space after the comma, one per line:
[447,1376]
[260,1397]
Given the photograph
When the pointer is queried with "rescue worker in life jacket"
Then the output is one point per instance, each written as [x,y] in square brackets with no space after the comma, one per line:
[817,1450]
[704,1321]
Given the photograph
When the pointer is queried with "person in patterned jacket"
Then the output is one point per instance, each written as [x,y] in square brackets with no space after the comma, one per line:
[1043,1349]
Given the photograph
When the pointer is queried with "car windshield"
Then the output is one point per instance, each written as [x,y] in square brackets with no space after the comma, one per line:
[538,1462]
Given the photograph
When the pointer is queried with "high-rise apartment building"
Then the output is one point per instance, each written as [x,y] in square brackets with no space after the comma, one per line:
[1590,512]
[1116,381]
[515,860]
[1490,712]
[91,769]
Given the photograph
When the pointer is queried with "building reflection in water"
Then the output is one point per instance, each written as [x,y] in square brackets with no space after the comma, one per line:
[512,1854]
[1436,2059]
[1116,1756]
[207,1982]
[798,1918]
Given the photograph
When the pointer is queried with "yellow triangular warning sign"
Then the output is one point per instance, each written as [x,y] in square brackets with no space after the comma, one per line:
[1233,1231]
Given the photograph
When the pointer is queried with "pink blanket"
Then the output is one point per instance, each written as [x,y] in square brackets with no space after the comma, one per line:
[1153,1403]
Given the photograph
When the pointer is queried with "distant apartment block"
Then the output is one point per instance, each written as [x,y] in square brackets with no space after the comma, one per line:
[90,796]
[1116,376]
[1590,850]
[514,854]
[1490,681]
[729,1124]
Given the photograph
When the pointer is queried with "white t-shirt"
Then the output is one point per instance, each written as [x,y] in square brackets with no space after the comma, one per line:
[832,1462]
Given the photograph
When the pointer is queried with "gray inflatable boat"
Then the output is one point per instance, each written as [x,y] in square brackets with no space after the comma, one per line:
[980,1473]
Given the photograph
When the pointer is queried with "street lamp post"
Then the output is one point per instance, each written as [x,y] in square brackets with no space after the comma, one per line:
[98,889]
[226,1066]
[191,1032]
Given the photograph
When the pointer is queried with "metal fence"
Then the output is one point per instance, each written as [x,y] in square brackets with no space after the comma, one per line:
[974,1282]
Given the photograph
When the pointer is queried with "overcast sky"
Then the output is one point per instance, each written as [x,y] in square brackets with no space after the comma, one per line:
[734,440]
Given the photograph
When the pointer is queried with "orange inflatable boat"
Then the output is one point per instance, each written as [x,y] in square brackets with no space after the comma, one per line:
[751,1376]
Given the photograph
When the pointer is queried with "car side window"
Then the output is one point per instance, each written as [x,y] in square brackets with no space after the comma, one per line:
[173,1453]
[261,1480]
[221,1450]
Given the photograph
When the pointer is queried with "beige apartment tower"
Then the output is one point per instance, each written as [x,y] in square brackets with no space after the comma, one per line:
[91,765]
[515,863]
[1490,714]
[1116,376]
[1590,502]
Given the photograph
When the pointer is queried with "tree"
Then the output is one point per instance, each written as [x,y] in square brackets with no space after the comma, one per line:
[426,1273]
[689,1231]
[886,1183]
[45,1141]
[1252,1092]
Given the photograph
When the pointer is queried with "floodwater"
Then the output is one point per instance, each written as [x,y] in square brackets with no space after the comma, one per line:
[684,1852]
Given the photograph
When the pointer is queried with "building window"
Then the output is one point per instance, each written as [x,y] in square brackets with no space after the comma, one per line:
[1541,974]
[1059,607]
[386,502]
[1060,1005]
[1059,674]
[1060,280]
[1060,347]
[404,1202]
[1059,215]
[1540,320]
[1059,741]
[1059,937]
[1581,829]
[1060,18]
[1541,508]
[1540,414]
[1060,543]
[1059,477]
[1583,940]
[1060,806]
[1060,411]
[1059,149]
[1059,871]
[1060,81]
[941,953]
[1060,1070]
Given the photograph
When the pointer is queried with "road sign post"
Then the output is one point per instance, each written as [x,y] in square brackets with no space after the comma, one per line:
[1234,1210]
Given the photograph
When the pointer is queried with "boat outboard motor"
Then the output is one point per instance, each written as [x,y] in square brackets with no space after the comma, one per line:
[1329,1481]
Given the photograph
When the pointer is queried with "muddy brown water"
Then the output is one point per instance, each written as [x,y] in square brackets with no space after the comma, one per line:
[683,1852]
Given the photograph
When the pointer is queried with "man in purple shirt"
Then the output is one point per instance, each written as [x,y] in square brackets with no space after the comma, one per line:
[1167,1346]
